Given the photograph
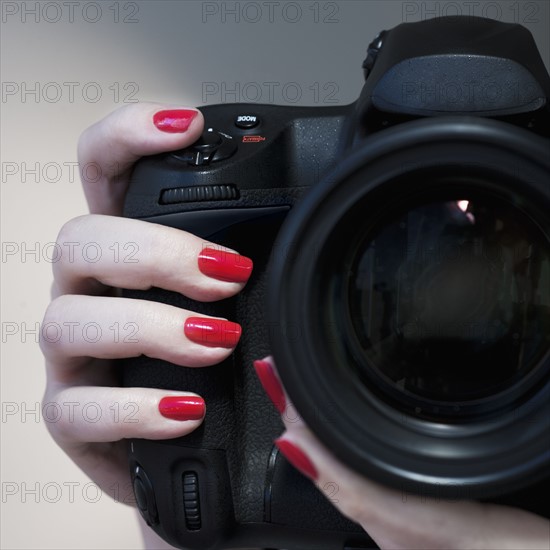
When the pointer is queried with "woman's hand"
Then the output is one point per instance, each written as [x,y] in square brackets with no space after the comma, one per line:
[87,327]
[392,519]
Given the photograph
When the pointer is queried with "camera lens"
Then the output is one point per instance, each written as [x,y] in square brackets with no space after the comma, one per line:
[445,304]
[409,307]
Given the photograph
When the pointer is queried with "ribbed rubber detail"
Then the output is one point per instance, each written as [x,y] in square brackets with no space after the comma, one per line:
[199,193]
[191,501]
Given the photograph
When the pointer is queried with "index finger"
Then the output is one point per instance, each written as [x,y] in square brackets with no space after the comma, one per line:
[108,149]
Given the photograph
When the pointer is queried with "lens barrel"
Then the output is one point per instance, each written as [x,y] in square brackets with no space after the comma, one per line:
[411,294]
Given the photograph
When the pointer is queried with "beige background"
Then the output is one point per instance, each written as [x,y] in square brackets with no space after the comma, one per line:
[165,51]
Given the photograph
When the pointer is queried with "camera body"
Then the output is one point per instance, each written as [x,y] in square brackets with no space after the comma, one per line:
[225,485]
[249,494]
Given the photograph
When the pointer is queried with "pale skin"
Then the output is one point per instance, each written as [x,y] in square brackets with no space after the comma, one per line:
[81,371]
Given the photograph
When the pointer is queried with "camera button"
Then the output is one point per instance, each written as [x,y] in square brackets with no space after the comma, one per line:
[212,146]
[246,122]
[372,52]
[208,140]
[145,496]
[140,494]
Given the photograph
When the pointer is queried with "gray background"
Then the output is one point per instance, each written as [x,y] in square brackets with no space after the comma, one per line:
[84,61]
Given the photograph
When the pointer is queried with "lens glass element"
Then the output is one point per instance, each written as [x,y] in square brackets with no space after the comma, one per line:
[447,301]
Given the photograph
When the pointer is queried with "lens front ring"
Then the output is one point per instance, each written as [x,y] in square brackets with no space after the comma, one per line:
[367,434]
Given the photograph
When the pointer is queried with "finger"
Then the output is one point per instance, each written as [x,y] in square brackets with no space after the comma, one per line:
[108,149]
[121,328]
[367,503]
[382,512]
[267,374]
[400,520]
[397,519]
[95,251]
[87,414]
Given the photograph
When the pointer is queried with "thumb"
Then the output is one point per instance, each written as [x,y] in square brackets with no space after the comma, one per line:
[108,149]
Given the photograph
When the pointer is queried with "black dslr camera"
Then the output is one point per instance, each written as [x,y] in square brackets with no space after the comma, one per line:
[404,293]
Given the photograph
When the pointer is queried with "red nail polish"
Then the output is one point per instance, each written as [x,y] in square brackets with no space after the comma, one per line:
[174,121]
[182,407]
[225,266]
[297,458]
[212,332]
[271,384]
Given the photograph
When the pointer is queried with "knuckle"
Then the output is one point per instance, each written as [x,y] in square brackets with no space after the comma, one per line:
[68,239]
[56,309]
[61,429]
[71,229]
[53,317]
[83,142]
[58,425]
[163,249]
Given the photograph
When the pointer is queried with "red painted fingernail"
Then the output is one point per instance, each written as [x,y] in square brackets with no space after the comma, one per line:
[297,458]
[217,333]
[271,384]
[182,407]
[174,121]
[225,266]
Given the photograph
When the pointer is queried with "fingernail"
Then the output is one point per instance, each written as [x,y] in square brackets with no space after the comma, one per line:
[297,458]
[174,121]
[217,333]
[224,265]
[271,384]
[182,407]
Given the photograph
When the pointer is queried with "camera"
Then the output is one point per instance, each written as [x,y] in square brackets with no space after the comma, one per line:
[402,283]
